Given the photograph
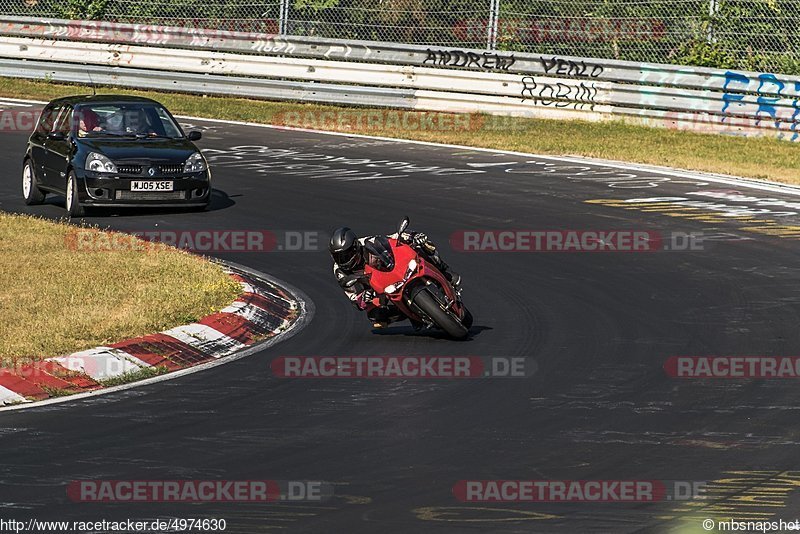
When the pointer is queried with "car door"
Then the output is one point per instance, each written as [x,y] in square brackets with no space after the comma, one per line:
[38,139]
[58,151]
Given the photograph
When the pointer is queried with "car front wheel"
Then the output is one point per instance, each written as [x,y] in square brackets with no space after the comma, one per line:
[30,186]
[74,208]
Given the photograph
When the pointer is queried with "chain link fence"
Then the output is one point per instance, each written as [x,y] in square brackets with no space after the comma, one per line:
[755,35]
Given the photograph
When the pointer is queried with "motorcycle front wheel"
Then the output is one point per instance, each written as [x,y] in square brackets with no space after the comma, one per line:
[444,320]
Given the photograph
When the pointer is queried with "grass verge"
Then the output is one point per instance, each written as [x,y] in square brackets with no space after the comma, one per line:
[57,300]
[763,158]
[134,376]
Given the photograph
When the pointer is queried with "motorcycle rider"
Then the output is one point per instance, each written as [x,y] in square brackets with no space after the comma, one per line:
[350,256]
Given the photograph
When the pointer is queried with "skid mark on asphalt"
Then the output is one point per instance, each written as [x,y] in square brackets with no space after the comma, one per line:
[610,391]
[299,162]
[717,440]
[286,515]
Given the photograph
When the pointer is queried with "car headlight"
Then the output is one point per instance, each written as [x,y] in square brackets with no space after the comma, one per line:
[99,163]
[195,163]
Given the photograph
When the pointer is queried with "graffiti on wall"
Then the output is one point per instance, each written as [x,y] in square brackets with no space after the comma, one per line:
[560,95]
[567,67]
[770,98]
[461,58]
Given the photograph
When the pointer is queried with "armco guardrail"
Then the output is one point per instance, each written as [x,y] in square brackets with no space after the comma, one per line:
[400,76]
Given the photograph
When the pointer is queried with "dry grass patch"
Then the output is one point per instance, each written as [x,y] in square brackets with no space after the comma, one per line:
[57,300]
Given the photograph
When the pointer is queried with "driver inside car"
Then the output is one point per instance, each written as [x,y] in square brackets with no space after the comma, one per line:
[141,125]
[350,256]
[89,122]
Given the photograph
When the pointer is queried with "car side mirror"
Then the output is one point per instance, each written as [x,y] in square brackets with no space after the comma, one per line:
[56,136]
[194,135]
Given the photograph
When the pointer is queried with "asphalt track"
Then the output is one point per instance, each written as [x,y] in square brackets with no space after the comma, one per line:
[599,326]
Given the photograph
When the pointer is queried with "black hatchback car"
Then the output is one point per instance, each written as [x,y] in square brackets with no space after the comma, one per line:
[114,151]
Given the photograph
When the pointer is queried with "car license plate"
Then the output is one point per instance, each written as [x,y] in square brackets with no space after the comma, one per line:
[143,185]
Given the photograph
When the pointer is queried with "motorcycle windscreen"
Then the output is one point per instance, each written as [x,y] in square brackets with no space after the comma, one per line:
[380,252]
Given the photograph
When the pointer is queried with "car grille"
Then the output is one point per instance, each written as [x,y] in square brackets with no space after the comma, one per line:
[129,169]
[151,195]
[171,169]
[163,170]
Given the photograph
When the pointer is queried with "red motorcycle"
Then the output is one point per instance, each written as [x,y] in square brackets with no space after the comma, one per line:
[399,274]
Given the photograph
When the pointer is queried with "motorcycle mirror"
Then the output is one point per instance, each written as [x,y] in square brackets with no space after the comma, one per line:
[403,225]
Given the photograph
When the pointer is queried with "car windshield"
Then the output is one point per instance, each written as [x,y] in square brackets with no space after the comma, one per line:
[130,119]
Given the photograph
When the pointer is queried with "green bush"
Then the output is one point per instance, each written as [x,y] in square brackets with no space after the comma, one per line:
[82,9]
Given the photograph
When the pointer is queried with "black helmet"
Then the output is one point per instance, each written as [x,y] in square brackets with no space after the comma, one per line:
[345,248]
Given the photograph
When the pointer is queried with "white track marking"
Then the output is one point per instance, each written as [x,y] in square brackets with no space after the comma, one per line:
[498,164]
[101,363]
[255,314]
[247,288]
[22,101]
[4,104]
[251,312]
[9,397]
[205,339]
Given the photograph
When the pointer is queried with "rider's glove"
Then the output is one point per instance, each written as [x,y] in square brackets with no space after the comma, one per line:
[365,298]
[420,240]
